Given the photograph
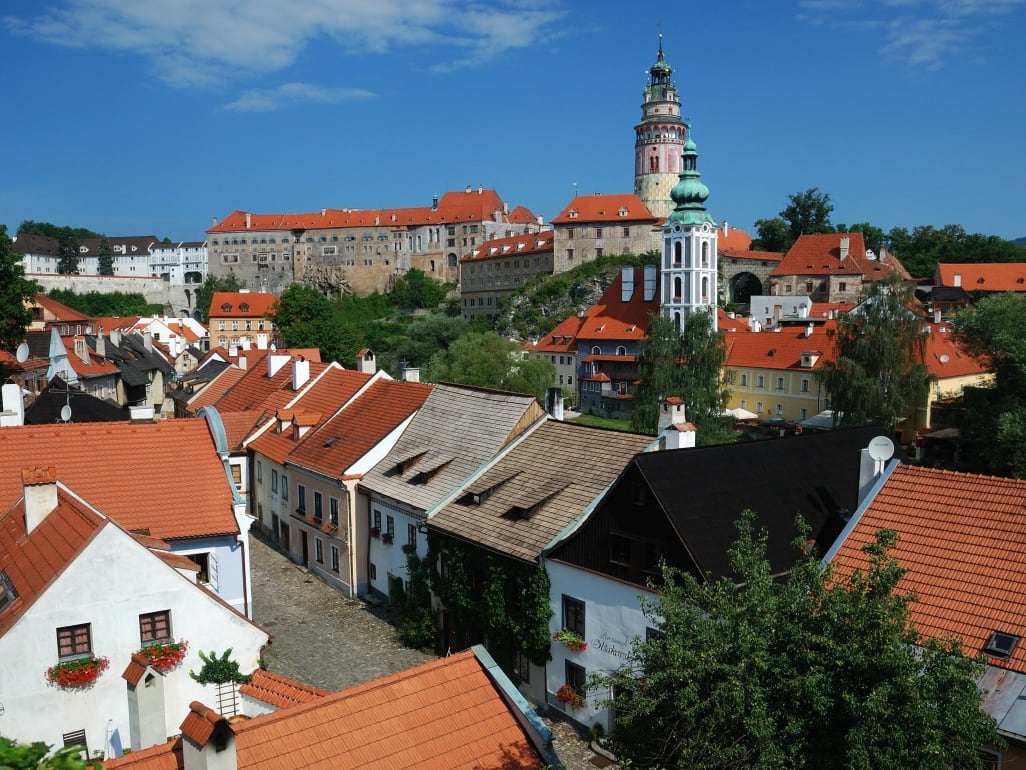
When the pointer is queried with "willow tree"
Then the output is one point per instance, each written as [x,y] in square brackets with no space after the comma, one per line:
[878,372]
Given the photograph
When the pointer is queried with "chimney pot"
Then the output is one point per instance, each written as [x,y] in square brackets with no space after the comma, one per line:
[40,489]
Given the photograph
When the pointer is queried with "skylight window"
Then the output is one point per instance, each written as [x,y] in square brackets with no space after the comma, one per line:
[1000,644]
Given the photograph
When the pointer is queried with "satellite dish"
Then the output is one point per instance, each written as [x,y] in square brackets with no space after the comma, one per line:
[23,352]
[66,413]
[945,358]
[881,449]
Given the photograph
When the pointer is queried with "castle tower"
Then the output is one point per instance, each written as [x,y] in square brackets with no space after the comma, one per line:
[659,139]
[689,278]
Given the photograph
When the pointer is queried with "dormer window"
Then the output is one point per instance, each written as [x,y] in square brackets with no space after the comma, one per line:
[244,307]
[573,213]
[1000,645]
[623,211]
[226,307]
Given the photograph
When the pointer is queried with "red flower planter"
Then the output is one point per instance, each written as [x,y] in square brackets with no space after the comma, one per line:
[164,657]
[80,672]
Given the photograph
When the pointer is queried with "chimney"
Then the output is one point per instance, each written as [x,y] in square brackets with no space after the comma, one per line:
[13,412]
[40,486]
[554,403]
[626,283]
[213,221]
[244,343]
[101,343]
[469,188]
[115,337]
[958,279]
[726,228]
[671,412]
[480,189]
[208,742]
[844,247]
[434,202]
[682,436]
[148,340]
[936,315]
[261,341]
[275,361]
[249,220]
[145,703]
[411,374]
[300,373]
[81,350]
[366,362]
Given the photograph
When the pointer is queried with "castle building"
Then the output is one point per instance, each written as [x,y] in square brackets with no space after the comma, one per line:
[689,275]
[659,139]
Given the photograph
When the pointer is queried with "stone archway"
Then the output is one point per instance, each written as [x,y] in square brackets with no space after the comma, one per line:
[742,287]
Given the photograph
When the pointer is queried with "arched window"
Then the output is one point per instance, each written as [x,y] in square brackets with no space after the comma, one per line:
[678,250]
[653,163]
[596,350]
[705,253]
[705,288]
[676,320]
[676,288]
[621,350]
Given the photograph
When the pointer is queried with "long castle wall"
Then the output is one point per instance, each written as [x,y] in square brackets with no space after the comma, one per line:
[177,299]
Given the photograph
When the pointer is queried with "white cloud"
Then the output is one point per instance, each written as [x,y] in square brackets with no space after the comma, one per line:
[291,94]
[923,34]
[205,42]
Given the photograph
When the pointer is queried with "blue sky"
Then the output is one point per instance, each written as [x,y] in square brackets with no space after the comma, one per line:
[156,116]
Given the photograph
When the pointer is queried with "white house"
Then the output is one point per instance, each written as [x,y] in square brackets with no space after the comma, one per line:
[79,593]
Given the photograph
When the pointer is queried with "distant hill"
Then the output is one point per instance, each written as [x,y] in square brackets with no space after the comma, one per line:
[1020,241]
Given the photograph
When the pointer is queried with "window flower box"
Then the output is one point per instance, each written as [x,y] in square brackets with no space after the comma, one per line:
[80,672]
[386,538]
[569,697]
[409,548]
[375,532]
[164,657]
[571,639]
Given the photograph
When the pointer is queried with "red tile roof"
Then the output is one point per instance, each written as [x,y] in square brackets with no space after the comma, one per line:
[468,206]
[605,208]
[985,276]
[944,358]
[59,310]
[820,254]
[216,388]
[562,339]
[334,447]
[733,239]
[521,215]
[35,559]
[279,691]
[238,304]
[443,715]
[136,667]
[255,387]
[138,485]
[95,367]
[612,319]
[164,756]
[531,243]
[775,350]
[962,540]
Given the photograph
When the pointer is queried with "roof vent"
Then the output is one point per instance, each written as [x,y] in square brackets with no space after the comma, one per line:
[1000,645]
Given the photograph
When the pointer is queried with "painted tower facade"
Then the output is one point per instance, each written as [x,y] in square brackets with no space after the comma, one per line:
[659,139]
[689,247]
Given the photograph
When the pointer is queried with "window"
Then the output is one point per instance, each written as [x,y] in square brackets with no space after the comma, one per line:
[318,507]
[7,592]
[576,677]
[274,480]
[627,232]
[744,380]
[390,526]
[334,558]
[620,550]
[301,502]
[411,535]
[318,550]
[780,383]
[376,521]
[284,487]
[744,404]
[570,255]
[372,571]
[1000,645]
[760,381]
[805,385]
[333,511]
[259,472]
[780,410]
[573,615]
[236,475]
[155,627]
[758,407]
[842,286]
[598,252]
[598,232]
[570,233]
[74,641]
[804,415]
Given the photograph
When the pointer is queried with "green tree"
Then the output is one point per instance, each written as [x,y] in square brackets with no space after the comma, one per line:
[15,290]
[660,359]
[415,290]
[818,670]
[808,213]
[485,359]
[427,335]
[36,756]
[67,251]
[300,303]
[105,258]
[878,374]
[772,235]
[55,231]
[99,304]
[211,285]
[925,246]
[995,420]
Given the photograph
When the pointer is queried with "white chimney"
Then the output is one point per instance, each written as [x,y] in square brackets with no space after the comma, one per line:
[146,724]
[40,487]
[844,247]
[936,315]
[958,279]
[411,374]
[81,350]
[261,341]
[671,412]
[300,373]
[148,340]
[726,228]
[554,403]
[13,413]
[249,220]
[275,361]
[208,742]
[366,362]
[681,436]
[101,343]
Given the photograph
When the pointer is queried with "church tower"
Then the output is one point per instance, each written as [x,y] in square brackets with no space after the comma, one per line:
[689,278]
[659,138]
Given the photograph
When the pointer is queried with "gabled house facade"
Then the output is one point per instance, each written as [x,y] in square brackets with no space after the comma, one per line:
[80,599]
[961,543]
[681,505]
[239,317]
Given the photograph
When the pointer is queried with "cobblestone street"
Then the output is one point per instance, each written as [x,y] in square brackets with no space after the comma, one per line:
[326,640]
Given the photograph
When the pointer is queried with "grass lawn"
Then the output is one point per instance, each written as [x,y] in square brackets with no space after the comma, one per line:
[610,423]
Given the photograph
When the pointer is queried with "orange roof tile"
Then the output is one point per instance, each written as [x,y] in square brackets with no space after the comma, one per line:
[58,310]
[200,723]
[521,215]
[944,358]
[163,756]
[962,542]
[216,388]
[605,208]
[612,319]
[334,447]
[820,254]
[985,276]
[131,491]
[775,350]
[733,239]
[252,304]
[238,426]
[279,691]
[531,243]
[255,387]
[562,339]
[136,667]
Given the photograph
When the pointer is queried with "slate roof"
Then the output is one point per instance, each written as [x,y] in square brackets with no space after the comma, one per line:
[279,691]
[341,441]
[130,486]
[962,542]
[533,491]
[605,208]
[984,276]
[448,714]
[34,560]
[30,243]
[703,491]
[47,406]
[456,429]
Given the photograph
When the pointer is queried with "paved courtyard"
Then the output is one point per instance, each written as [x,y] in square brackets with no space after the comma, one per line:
[326,640]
